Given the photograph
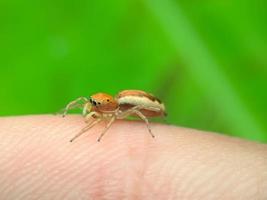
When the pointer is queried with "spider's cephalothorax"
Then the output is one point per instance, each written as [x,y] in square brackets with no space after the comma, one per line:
[102,102]
[103,106]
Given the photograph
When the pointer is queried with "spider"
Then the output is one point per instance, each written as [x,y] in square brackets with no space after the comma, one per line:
[104,107]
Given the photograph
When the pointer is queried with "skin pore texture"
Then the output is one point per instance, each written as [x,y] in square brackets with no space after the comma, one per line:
[37,161]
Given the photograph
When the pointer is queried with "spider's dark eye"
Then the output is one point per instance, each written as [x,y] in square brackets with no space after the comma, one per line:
[93,102]
[107,100]
[98,103]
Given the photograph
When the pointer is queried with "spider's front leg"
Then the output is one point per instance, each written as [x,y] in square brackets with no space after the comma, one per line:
[90,116]
[74,104]
[98,118]
[108,125]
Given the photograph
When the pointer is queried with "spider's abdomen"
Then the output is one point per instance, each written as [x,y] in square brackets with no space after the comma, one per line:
[131,98]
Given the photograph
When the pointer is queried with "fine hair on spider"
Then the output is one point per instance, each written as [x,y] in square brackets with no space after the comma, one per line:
[103,107]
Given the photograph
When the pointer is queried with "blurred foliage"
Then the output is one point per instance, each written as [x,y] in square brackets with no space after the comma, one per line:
[205,59]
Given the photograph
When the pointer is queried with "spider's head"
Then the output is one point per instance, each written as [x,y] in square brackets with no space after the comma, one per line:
[103,102]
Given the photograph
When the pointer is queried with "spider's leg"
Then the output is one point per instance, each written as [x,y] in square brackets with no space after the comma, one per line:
[86,128]
[73,104]
[87,107]
[91,115]
[143,117]
[136,111]
[107,127]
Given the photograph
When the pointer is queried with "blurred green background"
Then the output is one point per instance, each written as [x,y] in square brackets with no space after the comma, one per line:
[205,59]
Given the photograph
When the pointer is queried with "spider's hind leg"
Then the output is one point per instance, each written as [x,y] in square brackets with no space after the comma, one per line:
[136,110]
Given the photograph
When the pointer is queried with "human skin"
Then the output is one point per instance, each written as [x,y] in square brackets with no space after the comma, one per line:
[37,161]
